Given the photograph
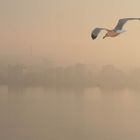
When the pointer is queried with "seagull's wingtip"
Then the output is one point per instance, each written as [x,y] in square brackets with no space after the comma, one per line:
[93,36]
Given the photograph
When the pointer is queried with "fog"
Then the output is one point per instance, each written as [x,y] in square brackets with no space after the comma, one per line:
[49,74]
[54,77]
[60,30]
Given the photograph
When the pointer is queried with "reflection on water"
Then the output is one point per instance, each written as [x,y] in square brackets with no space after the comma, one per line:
[91,114]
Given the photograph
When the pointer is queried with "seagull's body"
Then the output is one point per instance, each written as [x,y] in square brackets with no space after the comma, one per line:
[112,33]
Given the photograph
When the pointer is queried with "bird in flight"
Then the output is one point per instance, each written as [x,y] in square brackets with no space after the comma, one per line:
[112,33]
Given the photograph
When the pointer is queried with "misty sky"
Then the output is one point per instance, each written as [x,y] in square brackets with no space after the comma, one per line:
[60,30]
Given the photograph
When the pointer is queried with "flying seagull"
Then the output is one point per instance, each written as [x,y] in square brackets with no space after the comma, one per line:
[112,33]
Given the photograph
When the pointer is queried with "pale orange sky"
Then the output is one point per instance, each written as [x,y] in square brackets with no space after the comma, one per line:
[60,30]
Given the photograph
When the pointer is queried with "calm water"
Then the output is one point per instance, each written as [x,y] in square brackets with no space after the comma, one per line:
[90,114]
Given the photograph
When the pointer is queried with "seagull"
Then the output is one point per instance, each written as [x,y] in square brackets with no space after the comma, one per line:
[112,33]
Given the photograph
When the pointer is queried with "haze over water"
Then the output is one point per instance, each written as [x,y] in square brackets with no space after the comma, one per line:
[56,83]
[78,114]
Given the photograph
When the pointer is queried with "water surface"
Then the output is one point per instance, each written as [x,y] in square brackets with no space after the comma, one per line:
[69,114]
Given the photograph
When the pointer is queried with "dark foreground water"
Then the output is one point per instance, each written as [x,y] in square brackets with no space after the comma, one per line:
[90,114]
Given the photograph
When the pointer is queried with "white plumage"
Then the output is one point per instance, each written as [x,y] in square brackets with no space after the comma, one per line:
[112,33]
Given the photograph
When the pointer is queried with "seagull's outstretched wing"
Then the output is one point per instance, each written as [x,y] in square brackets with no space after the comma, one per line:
[95,32]
[121,23]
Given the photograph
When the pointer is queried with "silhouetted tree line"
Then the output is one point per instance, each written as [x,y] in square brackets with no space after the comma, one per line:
[71,76]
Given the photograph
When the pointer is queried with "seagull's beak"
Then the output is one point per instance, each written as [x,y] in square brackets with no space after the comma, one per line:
[104,37]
